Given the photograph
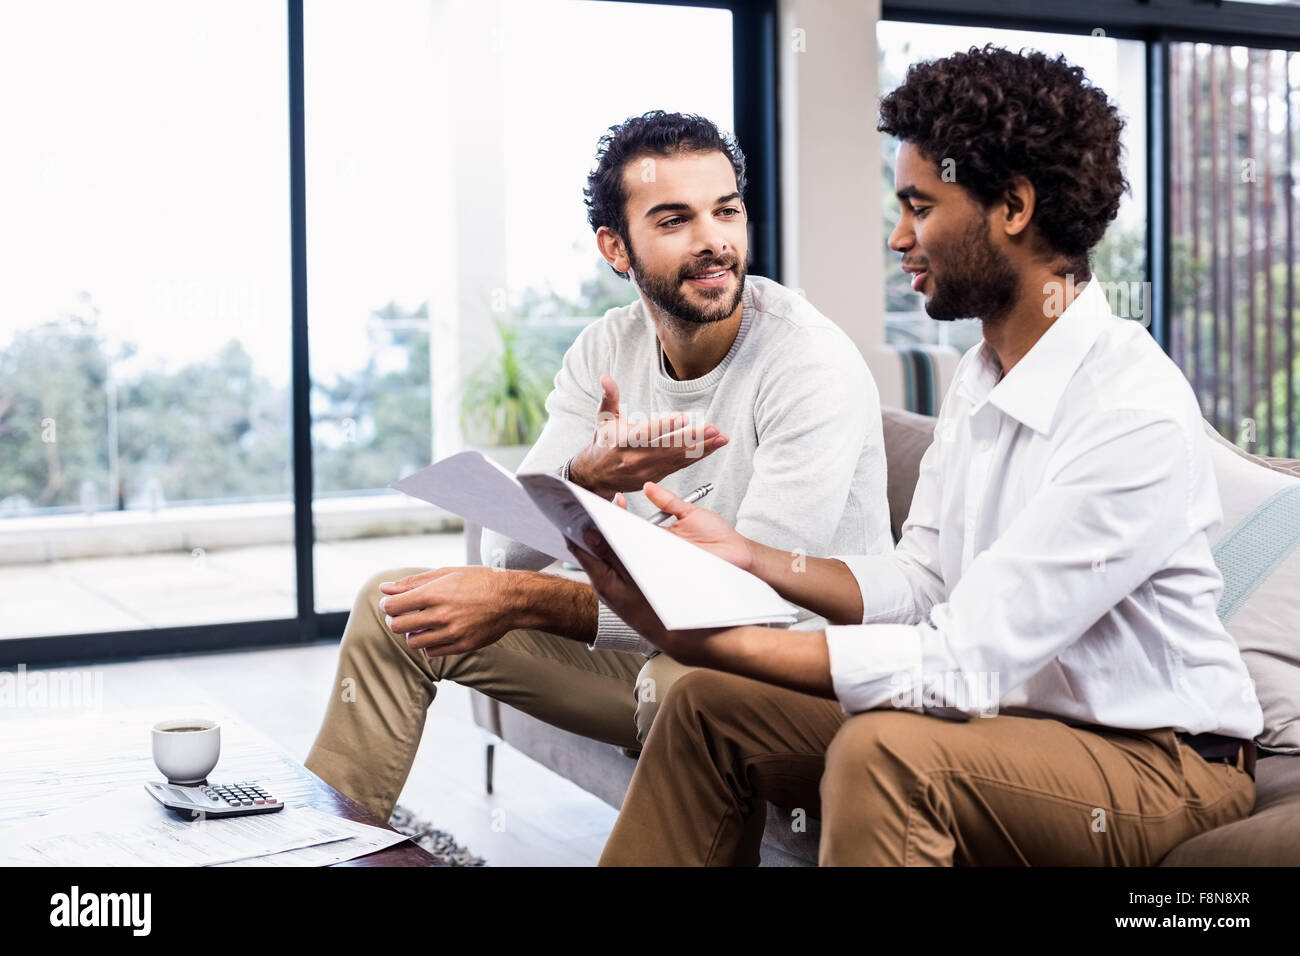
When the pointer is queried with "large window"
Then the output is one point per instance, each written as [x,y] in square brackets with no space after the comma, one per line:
[145,467]
[152,312]
[1218,218]
[1233,209]
[450,261]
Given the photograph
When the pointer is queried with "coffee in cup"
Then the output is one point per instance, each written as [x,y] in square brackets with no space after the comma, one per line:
[187,749]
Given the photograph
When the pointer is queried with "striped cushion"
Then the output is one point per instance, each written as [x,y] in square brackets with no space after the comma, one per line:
[1257,549]
[913,377]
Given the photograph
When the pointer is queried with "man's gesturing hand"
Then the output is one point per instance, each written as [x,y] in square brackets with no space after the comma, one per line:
[623,456]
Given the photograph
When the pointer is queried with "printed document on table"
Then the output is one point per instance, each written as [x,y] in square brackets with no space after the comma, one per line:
[367,839]
[130,828]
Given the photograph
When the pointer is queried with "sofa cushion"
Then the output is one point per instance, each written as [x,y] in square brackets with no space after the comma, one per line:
[907,436]
[1257,548]
[1270,836]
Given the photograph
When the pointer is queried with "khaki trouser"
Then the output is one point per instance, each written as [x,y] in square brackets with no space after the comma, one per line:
[383,688]
[899,788]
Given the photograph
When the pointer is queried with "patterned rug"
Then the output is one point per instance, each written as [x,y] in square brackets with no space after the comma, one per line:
[437,842]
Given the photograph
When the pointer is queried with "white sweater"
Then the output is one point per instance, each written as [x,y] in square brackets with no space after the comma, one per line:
[804,467]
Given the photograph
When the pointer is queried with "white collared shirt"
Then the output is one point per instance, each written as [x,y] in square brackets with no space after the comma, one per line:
[1056,559]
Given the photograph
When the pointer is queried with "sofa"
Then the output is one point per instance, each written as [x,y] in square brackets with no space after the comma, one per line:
[1269,639]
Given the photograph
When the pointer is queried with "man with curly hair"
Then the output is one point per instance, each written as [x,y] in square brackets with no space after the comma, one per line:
[1037,674]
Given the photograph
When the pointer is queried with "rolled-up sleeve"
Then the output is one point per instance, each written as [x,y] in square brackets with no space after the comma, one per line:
[614,634]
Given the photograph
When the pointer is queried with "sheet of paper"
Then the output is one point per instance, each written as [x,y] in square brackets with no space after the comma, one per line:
[366,839]
[475,487]
[687,586]
[128,827]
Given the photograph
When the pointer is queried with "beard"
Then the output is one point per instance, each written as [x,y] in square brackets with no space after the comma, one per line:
[979,282]
[666,292]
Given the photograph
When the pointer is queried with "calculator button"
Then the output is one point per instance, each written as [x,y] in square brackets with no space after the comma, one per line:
[259,800]
[247,802]
[233,803]
[271,800]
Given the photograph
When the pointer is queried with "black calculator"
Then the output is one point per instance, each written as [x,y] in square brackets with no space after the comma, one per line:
[215,800]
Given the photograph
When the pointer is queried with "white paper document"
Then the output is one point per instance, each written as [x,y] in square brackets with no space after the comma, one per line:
[365,839]
[687,586]
[71,793]
[477,488]
[130,828]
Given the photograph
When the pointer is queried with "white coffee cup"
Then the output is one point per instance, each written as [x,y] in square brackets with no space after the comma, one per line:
[184,754]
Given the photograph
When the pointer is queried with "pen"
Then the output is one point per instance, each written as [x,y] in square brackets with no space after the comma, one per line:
[661,516]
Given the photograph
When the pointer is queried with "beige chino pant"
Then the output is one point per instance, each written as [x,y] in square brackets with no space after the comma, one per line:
[383,689]
[899,788]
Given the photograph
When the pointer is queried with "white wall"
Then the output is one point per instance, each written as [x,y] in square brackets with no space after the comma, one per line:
[832,230]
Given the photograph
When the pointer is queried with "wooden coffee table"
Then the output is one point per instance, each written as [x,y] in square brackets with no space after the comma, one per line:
[54,761]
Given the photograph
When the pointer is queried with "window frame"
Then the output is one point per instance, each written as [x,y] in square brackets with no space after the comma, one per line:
[1157,23]
[755,85]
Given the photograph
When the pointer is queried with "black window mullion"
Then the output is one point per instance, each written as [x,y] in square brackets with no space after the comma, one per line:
[754,65]
[304,532]
[1208,21]
[1159,262]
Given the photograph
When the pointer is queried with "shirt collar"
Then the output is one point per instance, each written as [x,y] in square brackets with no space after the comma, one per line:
[1032,390]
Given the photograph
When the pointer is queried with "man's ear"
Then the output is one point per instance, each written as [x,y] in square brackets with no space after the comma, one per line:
[1017,206]
[613,248]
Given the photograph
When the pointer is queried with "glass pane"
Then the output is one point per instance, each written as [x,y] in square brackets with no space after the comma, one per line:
[144,316]
[1116,66]
[447,150]
[1233,205]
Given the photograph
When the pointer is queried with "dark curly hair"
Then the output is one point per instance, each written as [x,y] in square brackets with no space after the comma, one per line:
[655,134]
[998,115]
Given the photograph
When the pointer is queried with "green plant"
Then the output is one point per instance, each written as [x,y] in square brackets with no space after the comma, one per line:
[504,400]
